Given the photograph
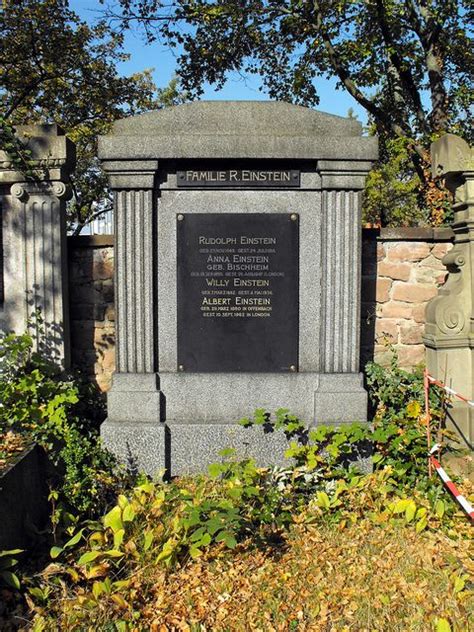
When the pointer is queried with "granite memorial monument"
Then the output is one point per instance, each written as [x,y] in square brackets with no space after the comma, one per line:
[238,240]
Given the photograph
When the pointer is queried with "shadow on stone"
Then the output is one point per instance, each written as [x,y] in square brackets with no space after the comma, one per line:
[368,297]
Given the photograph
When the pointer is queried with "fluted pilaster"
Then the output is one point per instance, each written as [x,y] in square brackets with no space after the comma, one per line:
[134,270]
[340,298]
[37,283]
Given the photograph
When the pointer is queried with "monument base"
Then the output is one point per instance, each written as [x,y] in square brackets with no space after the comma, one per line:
[460,420]
[452,362]
[141,447]
[193,417]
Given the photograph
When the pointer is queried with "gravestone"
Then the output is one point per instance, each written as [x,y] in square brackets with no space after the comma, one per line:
[238,242]
[33,259]
[450,315]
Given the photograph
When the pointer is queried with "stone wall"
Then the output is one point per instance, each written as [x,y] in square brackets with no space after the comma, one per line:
[92,314]
[401,271]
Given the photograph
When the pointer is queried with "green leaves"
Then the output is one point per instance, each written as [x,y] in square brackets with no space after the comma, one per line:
[88,557]
[34,397]
[440,508]
[72,542]
[7,561]
[80,89]
[228,538]
[410,511]
[10,579]
[460,583]
[44,405]
[55,552]
[322,500]
[421,524]
[113,519]
[442,625]
[215,469]
[147,540]
[376,51]
[399,431]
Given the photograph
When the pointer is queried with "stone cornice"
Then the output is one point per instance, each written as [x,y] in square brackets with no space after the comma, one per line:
[358,149]
[50,154]
[131,174]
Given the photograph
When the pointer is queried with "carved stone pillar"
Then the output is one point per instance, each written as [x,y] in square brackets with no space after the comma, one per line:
[449,331]
[33,216]
[134,401]
[342,182]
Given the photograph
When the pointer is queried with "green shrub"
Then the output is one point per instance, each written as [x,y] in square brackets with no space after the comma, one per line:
[396,436]
[62,413]
[108,563]
[7,563]
[399,423]
[34,398]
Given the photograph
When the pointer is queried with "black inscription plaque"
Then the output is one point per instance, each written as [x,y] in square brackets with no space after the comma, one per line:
[238,292]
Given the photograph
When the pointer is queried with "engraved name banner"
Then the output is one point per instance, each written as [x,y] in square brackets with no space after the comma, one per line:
[238,292]
[230,178]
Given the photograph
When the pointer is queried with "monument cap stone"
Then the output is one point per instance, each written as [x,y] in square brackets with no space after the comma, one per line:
[243,129]
[48,149]
[202,118]
[451,155]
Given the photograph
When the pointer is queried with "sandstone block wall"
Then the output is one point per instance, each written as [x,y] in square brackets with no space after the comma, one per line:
[401,271]
[92,314]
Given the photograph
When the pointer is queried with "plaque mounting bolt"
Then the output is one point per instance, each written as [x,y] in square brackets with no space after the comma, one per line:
[180,368]
[180,217]
[293,368]
[294,217]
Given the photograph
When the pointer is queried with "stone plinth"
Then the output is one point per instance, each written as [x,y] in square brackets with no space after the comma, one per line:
[196,413]
[449,331]
[33,216]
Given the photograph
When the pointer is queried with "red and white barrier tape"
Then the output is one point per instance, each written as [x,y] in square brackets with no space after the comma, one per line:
[465,504]
[450,391]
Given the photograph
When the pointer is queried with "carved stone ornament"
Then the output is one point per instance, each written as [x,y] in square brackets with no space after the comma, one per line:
[23,190]
[446,311]
[448,314]
[19,192]
[61,190]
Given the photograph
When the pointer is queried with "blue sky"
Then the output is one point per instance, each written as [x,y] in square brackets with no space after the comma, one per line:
[163,61]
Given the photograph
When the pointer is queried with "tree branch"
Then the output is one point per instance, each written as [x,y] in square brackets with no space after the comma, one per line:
[403,73]
[90,218]
[350,85]
[19,100]
[412,8]
[429,34]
